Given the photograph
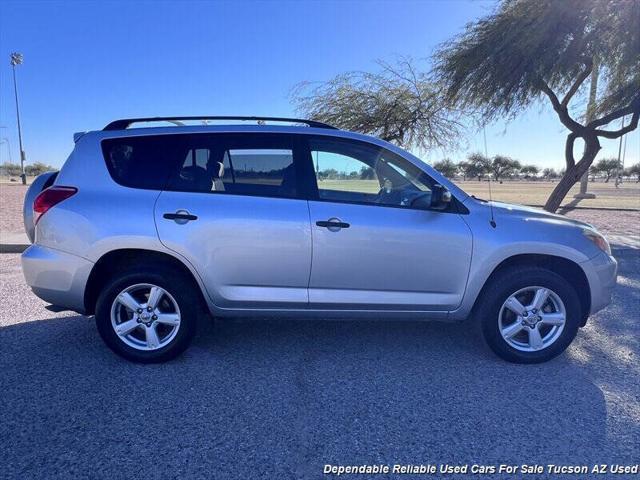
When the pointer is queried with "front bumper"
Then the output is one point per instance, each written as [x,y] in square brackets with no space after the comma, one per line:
[56,277]
[602,273]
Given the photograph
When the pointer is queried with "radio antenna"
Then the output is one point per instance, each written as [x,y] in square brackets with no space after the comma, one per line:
[492,222]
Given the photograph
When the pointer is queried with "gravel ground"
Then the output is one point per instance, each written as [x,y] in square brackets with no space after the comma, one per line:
[610,221]
[279,399]
[11,200]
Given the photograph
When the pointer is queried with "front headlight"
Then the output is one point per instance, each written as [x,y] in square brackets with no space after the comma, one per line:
[598,239]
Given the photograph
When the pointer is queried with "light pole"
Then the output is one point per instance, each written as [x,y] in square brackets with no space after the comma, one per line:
[16,59]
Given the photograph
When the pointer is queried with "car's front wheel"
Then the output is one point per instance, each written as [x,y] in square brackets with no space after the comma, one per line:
[529,314]
[145,317]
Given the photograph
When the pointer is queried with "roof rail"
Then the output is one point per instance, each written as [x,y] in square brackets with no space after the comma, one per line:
[126,122]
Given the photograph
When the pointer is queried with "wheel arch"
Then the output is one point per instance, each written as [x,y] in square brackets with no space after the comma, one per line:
[568,269]
[115,260]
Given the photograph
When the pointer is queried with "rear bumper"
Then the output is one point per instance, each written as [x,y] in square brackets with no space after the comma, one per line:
[56,277]
[602,273]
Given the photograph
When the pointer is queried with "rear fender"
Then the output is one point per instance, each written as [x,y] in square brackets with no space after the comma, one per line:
[41,182]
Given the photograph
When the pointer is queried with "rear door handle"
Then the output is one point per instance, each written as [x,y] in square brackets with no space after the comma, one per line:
[332,224]
[180,217]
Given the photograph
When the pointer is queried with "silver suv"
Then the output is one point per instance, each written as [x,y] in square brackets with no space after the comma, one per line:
[145,227]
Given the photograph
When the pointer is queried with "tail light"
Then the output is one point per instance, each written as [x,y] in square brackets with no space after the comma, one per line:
[50,197]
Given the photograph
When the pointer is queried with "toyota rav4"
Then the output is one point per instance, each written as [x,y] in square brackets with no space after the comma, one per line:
[145,227]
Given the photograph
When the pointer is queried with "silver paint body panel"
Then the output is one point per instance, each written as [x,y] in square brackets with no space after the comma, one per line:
[249,251]
[388,258]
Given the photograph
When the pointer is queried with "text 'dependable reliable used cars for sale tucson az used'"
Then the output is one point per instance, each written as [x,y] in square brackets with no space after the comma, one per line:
[151,222]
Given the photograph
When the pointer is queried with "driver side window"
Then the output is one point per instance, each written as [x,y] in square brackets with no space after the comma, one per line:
[351,171]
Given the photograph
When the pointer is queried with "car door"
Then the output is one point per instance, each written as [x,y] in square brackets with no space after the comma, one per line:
[232,208]
[371,249]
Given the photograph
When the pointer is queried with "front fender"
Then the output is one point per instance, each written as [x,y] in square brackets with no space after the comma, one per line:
[513,237]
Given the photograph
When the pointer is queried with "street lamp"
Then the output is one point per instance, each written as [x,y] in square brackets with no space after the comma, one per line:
[16,59]
[6,140]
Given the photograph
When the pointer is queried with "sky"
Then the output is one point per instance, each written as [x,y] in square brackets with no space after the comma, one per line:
[87,63]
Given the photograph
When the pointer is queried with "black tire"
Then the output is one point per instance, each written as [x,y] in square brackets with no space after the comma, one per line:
[506,283]
[176,284]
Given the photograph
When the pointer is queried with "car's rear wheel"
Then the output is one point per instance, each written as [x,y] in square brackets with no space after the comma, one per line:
[529,314]
[147,317]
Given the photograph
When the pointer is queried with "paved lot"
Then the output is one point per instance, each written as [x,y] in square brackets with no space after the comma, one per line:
[279,399]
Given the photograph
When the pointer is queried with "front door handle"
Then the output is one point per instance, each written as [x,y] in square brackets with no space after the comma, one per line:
[333,224]
[180,217]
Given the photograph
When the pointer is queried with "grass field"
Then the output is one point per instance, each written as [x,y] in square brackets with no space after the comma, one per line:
[536,193]
[524,192]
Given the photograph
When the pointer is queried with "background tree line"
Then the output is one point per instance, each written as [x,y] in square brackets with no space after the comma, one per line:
[477,167]
[13,169]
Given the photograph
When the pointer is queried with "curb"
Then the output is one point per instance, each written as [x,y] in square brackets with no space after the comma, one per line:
[13,242]
[13,247]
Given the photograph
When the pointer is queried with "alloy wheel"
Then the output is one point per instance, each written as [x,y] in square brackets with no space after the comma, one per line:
[145,316]
[532,319]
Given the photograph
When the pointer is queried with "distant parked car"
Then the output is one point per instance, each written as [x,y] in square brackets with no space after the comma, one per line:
[144,227]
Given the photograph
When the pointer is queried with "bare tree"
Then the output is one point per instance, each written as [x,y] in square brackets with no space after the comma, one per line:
[546,49]
[397,103]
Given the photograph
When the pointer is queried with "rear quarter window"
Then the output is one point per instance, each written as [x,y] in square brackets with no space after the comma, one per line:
[142,162]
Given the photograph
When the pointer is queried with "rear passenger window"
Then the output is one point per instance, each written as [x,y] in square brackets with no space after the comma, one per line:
[141,162]
[241,164]
[237,164]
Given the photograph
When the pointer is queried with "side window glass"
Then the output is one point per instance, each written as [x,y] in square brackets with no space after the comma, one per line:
[142,162]
[348,171]
[239,164]
[340,172]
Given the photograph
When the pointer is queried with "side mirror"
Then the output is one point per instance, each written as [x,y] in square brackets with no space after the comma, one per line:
[440,197]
